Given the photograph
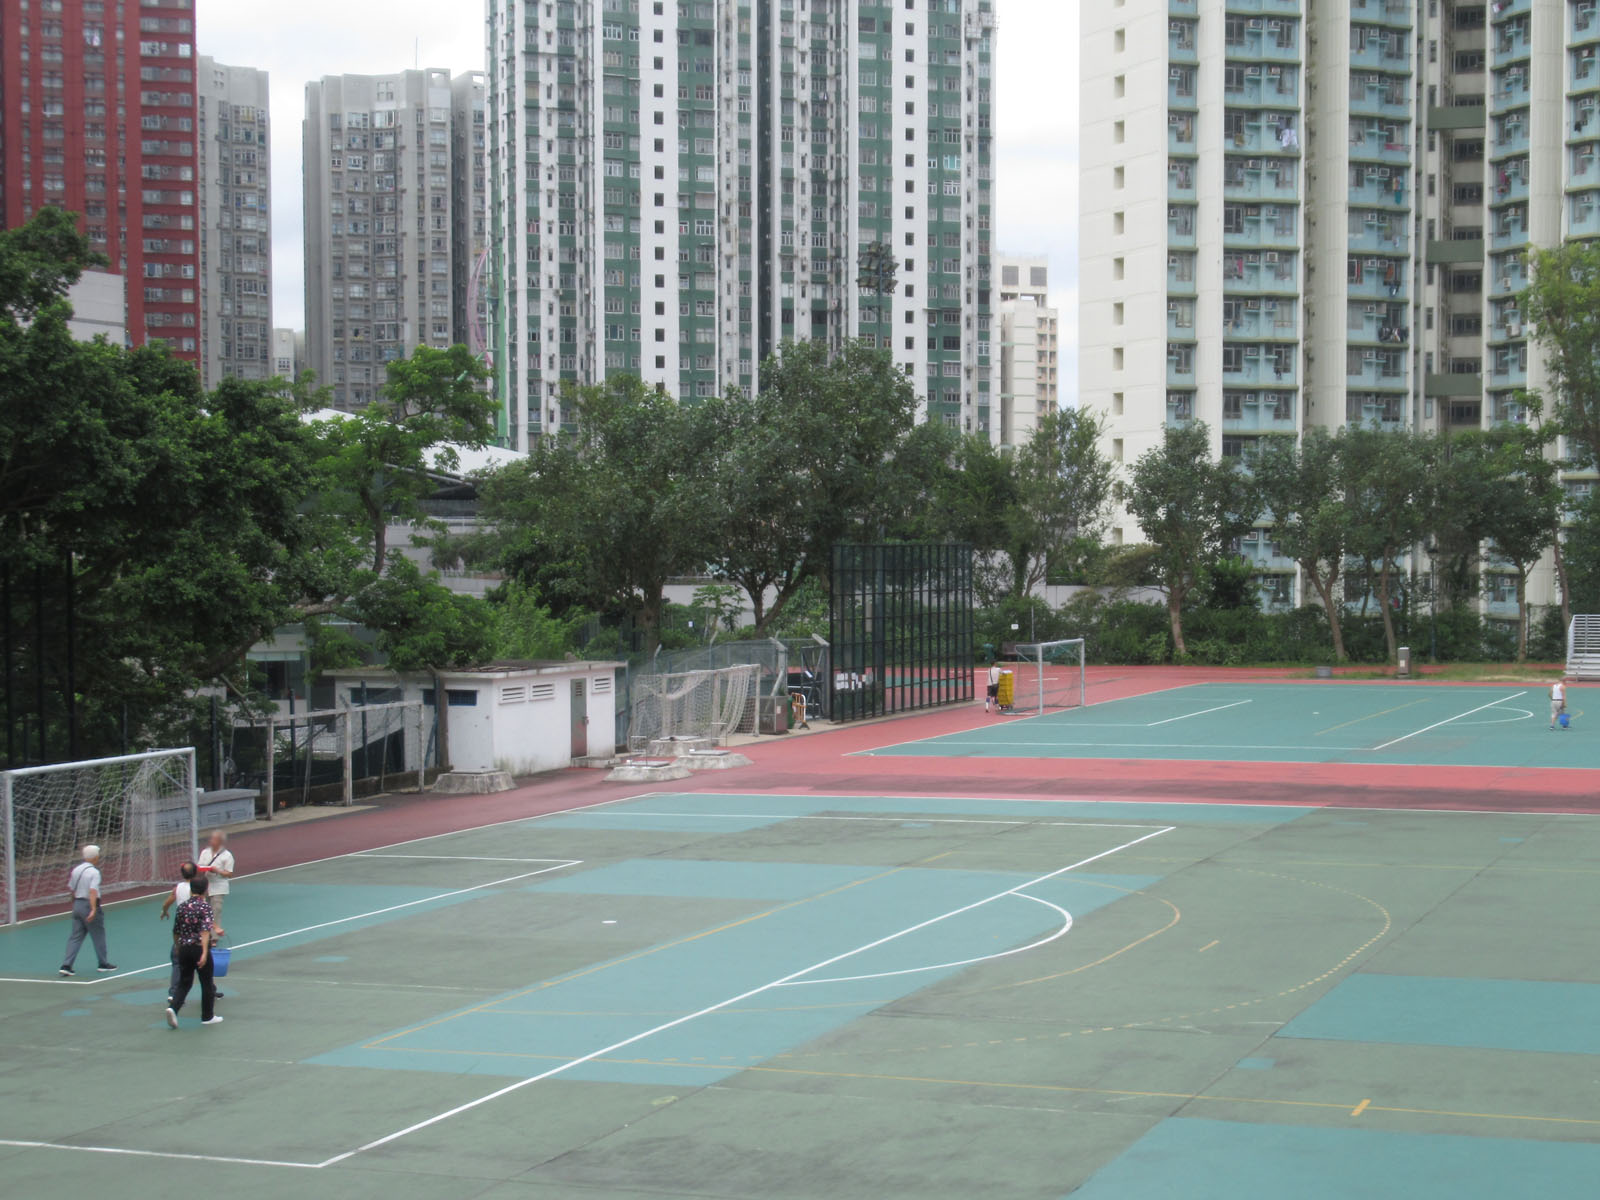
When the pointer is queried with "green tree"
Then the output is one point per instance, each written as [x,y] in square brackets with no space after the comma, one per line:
[1063,492]
[624,502]
[1190,508]
[1387,478]
[808,462]
[1300,490]
[1562,304]
[1524,503]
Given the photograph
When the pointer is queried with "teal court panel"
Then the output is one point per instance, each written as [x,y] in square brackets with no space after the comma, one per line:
[1196,1159]
[726,812]
[704,879]
[289,914]
[1382,723]
[526,1032]
[1493,1014]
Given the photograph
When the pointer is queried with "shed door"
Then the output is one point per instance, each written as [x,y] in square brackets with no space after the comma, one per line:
[580,720]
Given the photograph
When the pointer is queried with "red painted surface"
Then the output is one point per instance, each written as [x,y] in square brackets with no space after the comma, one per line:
[132,177]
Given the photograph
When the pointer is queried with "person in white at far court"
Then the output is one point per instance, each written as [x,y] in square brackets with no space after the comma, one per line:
[216,860]
[88,918]
[1558,701]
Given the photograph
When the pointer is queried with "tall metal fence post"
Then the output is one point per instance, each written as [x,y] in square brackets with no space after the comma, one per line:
[269,754]
[346,752]
[194,807]
[422,747]
[11,849]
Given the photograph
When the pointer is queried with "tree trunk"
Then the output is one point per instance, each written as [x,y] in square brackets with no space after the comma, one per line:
[650,619]
[1388,616]
[441,708]
[1561,580]
[1175,613]
[1325,590]
[1522,613]
[1366,579]
[758,605]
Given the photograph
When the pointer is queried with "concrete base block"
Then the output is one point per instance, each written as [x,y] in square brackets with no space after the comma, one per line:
[473,783]
[714,760]
[648,770]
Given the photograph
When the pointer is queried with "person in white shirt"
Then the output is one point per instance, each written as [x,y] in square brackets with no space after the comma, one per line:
[88,918]
[1558,701]
[177,895]
[216,860]
[993,692]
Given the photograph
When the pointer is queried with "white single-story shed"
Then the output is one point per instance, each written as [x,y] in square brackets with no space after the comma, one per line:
[520,717]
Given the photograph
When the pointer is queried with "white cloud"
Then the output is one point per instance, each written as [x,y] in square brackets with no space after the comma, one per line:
[296,41]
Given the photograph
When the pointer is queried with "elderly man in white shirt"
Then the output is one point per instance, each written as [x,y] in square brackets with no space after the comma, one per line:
[88,918]
[216,860]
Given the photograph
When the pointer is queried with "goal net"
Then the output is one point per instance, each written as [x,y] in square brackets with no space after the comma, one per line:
[710,704]
[140,809]
[1048,675]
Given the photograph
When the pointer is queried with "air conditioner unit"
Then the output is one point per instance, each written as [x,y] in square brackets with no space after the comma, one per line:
[1372,310]
[1369,356]
[1382,172]
[1252,72]
[1513,330]
[1253,305]
[1254,352]
[1172,260]
[1253,258]
[1258,24]
[1274,26]
[1252,164]
[1274,72]
[1172,306]
[1272,256]
[1175,73]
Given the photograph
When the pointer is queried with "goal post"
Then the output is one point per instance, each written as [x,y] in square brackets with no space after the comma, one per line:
[710,703]
[142,810]
[1048,676]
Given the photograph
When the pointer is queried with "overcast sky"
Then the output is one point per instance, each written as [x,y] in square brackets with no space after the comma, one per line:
[1036,110]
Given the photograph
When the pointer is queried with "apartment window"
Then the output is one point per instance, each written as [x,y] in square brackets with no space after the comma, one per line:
[1119,40]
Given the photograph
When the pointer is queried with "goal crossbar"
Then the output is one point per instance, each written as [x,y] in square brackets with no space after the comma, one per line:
[1049,675]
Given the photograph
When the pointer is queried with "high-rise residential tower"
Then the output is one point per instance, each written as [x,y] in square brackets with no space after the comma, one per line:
[469,212]
[679,186]
[97,115]
[235,223]
[1302,213]
[1029,383]
[381,267]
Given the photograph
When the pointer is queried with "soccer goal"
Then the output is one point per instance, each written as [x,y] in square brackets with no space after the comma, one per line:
[140,809]
[709,704]
[1049,675]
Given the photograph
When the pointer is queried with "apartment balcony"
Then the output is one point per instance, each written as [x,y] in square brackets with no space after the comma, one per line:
[1180,134]
[1378,322]
[1259,234]
[1379,100]
[1256,318]
[1287,8]
[1180,46]
[1504,10]
[1180,184]
[1583,215]
[1259,550]
[1387,12]
[1242,277]
[1180,280]
[1257,137]
[1183,8]
[1370,411]
[1380,189]
[1376,284]
[1583,22]
[1511,137]
[1180,412]
[1259,182]
[1180,234]
[1265,87]
[1259,412]
[1508,367]
[1511,185]
[1180,371]
[1510,41]
[1585,72]
[1509,234]
[1385,54]
[1508,281]
[1372,148]
[1379,369]
[1180,320]
[1384,239]
[1257,366]
[1180,93]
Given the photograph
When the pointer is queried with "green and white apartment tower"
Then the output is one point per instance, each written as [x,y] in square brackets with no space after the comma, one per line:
[1303,213]
[678,187]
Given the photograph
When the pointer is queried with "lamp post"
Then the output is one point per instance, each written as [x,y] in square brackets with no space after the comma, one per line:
[1432,549]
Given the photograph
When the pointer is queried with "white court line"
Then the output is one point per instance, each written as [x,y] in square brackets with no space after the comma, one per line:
[561,864]
[1066,927]
[458,857]
[1201,713]
[207,1158]
[721,1004]
[1446,721]
[897,818]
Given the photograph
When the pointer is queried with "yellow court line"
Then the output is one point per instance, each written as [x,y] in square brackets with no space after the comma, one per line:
[1360,1108]
[695,937]
[1371,716]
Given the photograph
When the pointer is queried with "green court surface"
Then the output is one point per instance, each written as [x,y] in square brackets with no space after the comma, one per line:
[1384,723]
[737,996]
